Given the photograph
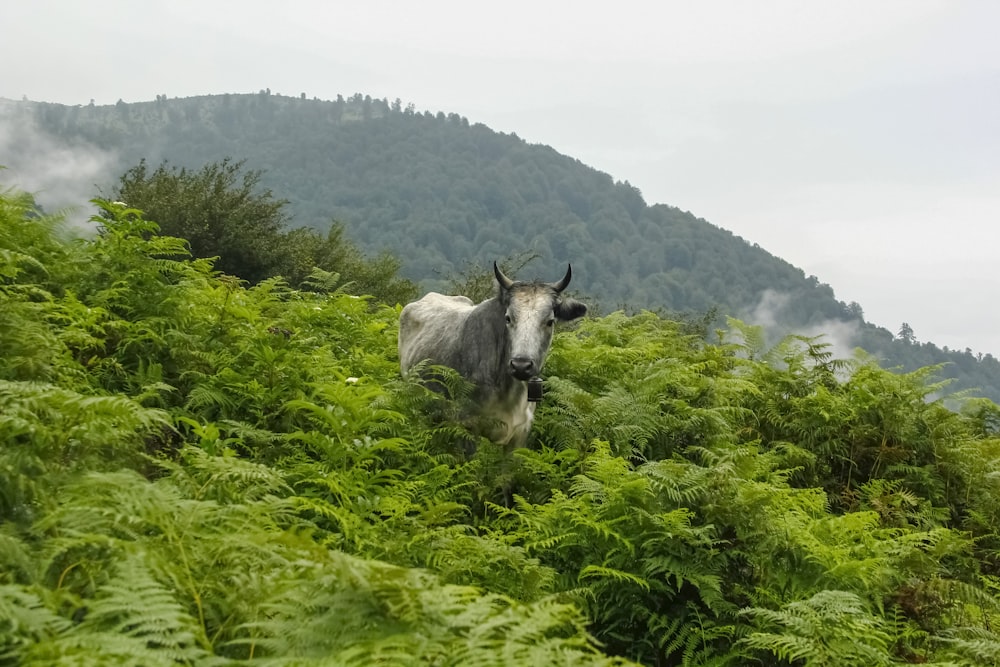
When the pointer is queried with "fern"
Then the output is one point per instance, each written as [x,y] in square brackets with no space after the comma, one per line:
[25,621]
[830,628]
[48,430]
[354,612]
[972,646]
[140,621]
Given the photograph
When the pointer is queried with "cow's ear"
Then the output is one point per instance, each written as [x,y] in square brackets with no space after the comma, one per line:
[570,309]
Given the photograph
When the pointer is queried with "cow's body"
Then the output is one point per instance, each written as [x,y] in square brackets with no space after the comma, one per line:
[497,345]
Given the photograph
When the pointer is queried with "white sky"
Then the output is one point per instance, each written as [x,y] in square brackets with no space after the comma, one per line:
[858,140]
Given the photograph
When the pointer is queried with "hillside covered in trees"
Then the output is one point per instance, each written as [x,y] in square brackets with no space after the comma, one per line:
[196,471]
[442,194]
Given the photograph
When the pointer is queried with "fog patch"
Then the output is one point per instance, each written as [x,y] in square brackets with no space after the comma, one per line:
[62,175]
[767,313]
[839,336]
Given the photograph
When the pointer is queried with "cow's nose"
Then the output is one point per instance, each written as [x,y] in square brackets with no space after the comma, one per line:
[522,367]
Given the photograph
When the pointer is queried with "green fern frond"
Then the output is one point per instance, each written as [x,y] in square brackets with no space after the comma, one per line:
[971,646]
[25,620]
[600,572]
[135,605]
[830,628]
[226,479]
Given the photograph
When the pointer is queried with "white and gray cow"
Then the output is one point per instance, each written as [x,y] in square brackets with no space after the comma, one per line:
[497,345]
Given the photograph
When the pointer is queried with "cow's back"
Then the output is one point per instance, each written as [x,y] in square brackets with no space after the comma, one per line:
[431,328]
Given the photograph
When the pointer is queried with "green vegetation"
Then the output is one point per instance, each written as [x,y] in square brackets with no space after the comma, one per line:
[197,471]
[439,193]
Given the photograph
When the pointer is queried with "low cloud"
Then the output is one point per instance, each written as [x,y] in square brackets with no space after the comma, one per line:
[62,176]
[769,313]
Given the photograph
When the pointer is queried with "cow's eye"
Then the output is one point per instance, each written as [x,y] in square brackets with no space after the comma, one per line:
[507,318]
[550,322]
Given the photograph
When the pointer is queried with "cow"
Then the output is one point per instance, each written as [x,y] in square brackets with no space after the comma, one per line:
[497,345]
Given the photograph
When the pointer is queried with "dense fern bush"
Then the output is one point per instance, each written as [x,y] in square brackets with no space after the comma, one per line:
[197,472]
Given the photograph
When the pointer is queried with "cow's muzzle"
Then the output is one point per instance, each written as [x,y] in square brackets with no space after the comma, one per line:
[522,368]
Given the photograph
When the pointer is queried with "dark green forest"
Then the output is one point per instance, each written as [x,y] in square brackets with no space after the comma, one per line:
[196,470]
[441,194]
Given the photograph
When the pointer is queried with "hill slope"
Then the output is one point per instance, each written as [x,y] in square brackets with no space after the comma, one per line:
[440,193]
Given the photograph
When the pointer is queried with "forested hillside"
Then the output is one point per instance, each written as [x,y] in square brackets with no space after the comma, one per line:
[194,471]
[441,194]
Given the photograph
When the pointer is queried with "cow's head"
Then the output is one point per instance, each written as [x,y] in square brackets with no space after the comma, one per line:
[531,311]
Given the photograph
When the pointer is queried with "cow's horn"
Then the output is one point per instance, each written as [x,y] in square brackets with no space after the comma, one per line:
[562,284]
[504,281]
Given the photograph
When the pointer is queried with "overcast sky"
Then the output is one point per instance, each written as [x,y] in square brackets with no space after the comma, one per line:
[859,141]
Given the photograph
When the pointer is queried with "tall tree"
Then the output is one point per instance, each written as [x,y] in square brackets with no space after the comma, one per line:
[906,334]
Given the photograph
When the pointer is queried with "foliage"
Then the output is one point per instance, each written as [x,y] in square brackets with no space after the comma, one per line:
[830,628]
[220,211]
[198,471]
